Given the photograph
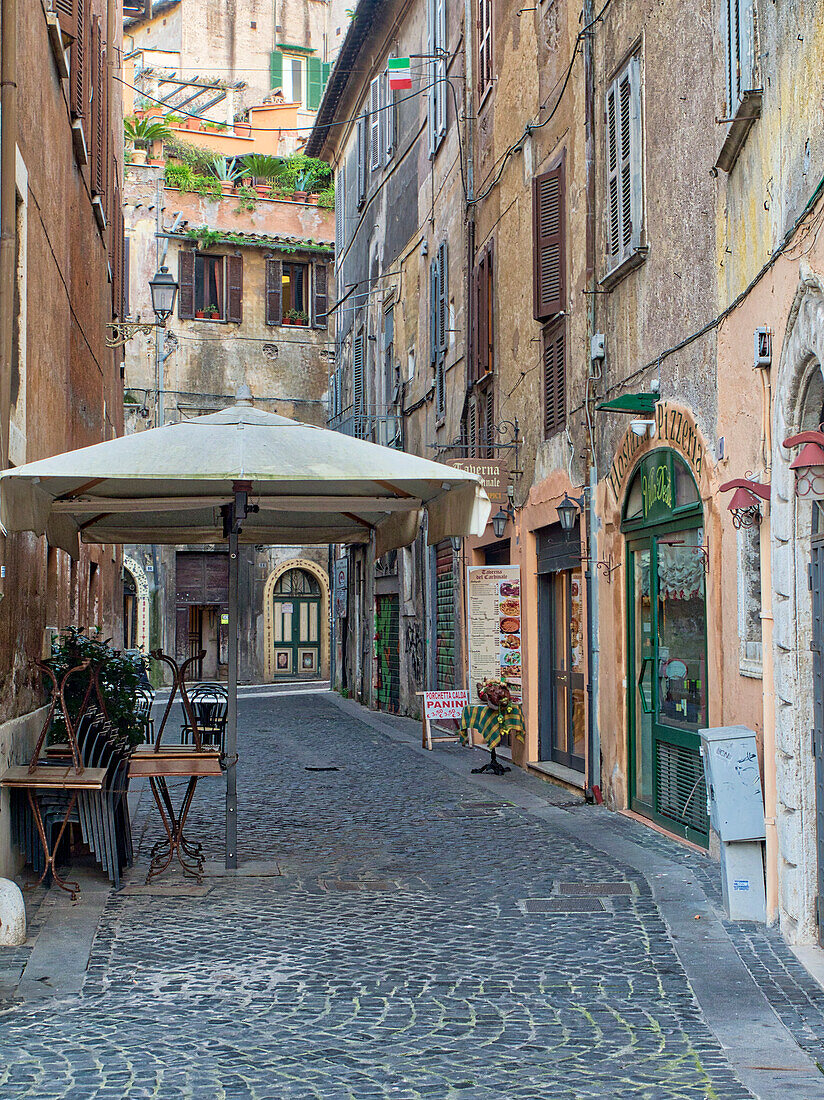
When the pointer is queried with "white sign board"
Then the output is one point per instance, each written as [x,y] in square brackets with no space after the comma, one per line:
[438,705]
[494,614]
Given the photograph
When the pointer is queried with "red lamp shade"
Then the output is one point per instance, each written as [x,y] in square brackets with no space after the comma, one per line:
[809,468]
[742,498]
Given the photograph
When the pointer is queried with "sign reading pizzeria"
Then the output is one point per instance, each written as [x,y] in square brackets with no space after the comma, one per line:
[672,425]
[494,614]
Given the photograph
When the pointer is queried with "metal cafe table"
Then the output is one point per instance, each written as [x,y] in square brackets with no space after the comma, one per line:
[159,762]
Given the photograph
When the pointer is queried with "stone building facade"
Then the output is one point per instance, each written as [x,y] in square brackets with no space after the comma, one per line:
[242,272]
[399,323]
[62,123]
[630,202]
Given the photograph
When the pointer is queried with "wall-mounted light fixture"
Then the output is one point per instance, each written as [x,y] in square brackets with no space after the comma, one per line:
[808,465]
[746,511]
[568,510]
[163,287]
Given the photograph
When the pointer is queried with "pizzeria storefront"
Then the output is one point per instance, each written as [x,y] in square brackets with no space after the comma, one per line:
[658,630]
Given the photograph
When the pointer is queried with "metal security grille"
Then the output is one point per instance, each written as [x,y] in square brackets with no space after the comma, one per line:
[445,624]
[681,789]
[387,629]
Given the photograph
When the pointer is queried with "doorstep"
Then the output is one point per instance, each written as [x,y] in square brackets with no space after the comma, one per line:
[648,824]
[568,776]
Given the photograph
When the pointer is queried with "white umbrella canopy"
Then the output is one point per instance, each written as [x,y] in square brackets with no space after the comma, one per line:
[245,475]
[311,485]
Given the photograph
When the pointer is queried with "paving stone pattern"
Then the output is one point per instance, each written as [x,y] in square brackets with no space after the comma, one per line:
[394,957]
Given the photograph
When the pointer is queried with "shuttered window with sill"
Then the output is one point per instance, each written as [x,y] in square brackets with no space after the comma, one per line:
[549,243]
[624,166]
[554,376]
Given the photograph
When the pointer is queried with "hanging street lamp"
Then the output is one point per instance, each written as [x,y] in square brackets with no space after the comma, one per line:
[746,511]
[163,287]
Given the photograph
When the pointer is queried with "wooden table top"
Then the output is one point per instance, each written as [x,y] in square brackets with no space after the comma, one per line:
[171,760]
[55,776]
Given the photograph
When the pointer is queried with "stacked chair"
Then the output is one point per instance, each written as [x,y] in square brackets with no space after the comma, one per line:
[144,701]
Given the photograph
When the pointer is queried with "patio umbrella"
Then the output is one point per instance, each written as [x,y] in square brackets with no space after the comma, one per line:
[247,476]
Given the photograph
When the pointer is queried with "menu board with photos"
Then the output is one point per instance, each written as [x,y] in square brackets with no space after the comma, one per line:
[494,613]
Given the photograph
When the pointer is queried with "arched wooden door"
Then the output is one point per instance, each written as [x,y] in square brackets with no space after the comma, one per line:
[296,625]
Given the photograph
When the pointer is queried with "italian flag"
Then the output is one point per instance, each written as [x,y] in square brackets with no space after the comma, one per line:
[400,76]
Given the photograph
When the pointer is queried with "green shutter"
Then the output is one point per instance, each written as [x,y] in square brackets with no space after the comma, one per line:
[275,69]
[314,81]
[326,69]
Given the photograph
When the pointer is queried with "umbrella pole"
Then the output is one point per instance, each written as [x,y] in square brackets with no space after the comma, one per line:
[231,717]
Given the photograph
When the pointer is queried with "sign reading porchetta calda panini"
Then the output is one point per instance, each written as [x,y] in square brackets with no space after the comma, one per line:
[673,426]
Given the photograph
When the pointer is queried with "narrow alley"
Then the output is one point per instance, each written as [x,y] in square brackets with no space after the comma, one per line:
[401,928]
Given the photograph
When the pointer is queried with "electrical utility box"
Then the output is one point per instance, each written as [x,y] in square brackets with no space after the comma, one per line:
[735,804]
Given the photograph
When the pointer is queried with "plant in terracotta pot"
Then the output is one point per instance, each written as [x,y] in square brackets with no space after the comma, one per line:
[299,317]
[199,313]
[214,313]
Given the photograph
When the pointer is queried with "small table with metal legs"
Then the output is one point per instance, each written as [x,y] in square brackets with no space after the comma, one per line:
[166,762]
[50,777]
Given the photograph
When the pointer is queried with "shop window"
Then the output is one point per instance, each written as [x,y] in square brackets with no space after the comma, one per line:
[749,600]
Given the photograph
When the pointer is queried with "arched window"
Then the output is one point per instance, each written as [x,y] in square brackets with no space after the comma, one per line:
[297,582]
[662,488]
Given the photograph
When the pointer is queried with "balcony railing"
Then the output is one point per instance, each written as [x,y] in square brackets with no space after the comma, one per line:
[373,422]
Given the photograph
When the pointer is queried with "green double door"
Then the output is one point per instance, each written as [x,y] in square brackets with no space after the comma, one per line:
[668,679]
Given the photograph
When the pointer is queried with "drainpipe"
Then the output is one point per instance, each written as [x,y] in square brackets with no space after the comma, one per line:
[767,672]
[594,738]
[8,230]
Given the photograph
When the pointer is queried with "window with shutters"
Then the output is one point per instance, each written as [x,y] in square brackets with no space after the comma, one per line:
[211,287]
[320,280]
[437,51]
[484,46]
[98,108]
[749,601]
[439,323]
[358,382]
[549,243]
[362,154]
[340,208]
[478,434]
[375,120]
[295,293]
[390,119]
[482,360]
[553,355]
[740,51]
[624,198]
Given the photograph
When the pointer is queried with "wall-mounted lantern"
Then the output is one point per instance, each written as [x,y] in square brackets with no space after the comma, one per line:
[746,511]
[808,465]
[163,287]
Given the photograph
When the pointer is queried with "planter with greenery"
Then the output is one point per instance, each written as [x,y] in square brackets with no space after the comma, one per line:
[199,313]
[118,676]
[214,313]
[143,132]
[298,317]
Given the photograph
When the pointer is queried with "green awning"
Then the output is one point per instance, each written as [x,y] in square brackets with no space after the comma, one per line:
[637,403]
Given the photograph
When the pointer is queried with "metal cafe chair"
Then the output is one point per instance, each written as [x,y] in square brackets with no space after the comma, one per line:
[144,700]
[210,705]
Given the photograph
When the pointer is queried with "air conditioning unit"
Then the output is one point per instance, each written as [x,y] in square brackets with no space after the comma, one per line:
[763,347]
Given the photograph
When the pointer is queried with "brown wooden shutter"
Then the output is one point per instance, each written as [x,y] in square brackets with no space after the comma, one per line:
[321,296]
[121,256]
[473,325]
[554,366]
[274,291]
[234,298]
[98,118]
[490,423]
[186,279]
[489,305]
[548,212]
[79,69]
[67,17]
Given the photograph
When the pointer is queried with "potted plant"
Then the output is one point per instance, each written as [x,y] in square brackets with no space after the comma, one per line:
[299,317]
[286,319]
[199,313]
[214,313]
[141,133]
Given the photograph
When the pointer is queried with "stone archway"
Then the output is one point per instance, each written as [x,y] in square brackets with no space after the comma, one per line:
[322,578]
[798,395]
[141,583]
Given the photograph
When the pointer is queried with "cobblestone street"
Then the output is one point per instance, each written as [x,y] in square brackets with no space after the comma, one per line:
[429,934]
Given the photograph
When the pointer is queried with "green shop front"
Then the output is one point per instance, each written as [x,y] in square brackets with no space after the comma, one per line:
[665,578]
